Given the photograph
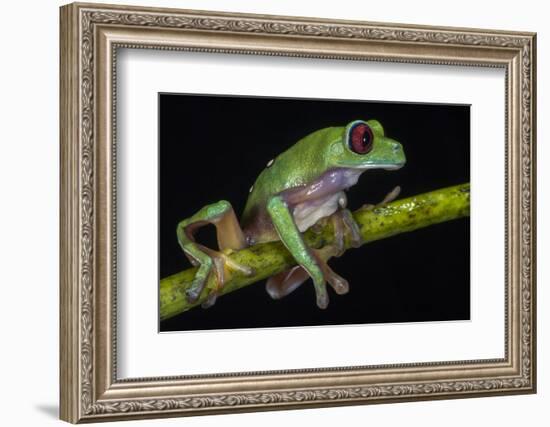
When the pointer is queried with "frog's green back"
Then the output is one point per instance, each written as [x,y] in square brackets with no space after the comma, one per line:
[299,165]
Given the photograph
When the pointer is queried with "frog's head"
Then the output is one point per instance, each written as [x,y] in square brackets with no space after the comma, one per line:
[363,145]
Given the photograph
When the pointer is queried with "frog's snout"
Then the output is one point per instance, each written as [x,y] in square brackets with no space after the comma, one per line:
[398,155]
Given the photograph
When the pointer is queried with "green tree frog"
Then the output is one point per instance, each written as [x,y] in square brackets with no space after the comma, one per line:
[299,187]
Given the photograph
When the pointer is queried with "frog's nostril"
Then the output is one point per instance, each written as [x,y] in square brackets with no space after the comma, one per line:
[395,147]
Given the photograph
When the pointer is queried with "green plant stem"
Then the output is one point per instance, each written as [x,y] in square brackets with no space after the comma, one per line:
[268,259]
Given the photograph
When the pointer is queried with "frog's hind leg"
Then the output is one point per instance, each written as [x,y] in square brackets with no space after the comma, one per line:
[284,283]
[230,238]
[344,227]
[288,281]
[390,197]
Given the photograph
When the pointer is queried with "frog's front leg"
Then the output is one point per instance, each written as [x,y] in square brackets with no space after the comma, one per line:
[344,225]
[390,197]
[290,235]
[230,237]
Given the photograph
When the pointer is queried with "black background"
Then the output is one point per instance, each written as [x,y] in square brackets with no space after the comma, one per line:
[214,147]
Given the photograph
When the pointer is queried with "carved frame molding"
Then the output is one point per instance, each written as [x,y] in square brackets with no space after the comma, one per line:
[90,36]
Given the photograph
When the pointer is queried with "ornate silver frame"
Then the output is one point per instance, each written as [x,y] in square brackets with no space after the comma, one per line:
[90,36]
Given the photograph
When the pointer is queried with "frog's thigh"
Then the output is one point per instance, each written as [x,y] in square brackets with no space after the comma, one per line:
[229,235]
[229,232]
[284,283]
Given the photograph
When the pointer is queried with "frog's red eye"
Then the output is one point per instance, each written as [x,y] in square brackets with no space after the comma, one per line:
[360,139]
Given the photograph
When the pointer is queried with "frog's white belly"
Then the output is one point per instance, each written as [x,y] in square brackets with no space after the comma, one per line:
[309,212]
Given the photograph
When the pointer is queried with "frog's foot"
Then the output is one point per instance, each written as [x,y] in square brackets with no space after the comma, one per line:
[344,225]
[215,269]
[338,283]
[284,283]
[390,197]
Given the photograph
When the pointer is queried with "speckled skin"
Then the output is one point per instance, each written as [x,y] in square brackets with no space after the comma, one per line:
[306,177]
[306,163]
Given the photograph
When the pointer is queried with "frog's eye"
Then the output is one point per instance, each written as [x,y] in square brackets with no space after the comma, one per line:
[360,139]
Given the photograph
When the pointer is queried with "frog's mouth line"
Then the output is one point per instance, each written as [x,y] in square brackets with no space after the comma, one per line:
[393,166]
[385,166]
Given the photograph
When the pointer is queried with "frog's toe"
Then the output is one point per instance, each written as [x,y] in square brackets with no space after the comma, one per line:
[391,196]
[347,222]
[235,266]
[210,282]
[322,299]
[192,295]
[199,281]
[338,283]
[210,300]
[216,269]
